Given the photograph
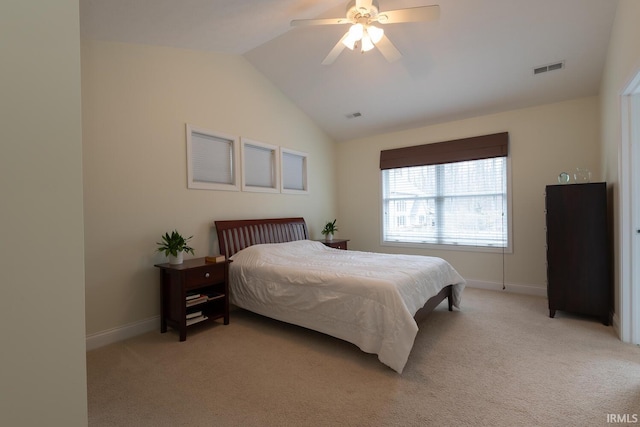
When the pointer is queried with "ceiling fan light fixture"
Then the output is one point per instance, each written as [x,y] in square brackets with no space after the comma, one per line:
[375,33]
[356,31]
[348,42]
[367,44]
[362,35]
[353,36]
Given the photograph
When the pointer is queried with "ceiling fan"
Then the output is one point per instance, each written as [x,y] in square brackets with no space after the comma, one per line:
[362,34]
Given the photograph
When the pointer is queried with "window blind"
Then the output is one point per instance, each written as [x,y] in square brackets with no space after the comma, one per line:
[293,171]
[459,203]
[212,159]
[259,166]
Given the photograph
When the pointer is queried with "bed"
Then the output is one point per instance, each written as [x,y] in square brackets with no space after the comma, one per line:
[372,300]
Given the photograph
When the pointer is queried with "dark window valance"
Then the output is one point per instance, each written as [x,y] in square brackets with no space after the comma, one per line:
[459,150]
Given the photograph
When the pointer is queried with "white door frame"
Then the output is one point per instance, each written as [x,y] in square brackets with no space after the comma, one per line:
[629,212]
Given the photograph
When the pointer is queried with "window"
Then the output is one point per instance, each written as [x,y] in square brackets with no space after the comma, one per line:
[260,167]
[212,160]
[459,204]
[294,171]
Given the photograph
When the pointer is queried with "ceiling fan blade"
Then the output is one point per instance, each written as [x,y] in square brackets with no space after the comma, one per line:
[328,21]
[412,14]
[388,50]
[335,52]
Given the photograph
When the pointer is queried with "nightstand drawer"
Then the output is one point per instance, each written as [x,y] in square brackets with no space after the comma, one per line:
[205,275]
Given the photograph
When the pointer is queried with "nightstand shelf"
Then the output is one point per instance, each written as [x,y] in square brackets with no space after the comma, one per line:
[193,292]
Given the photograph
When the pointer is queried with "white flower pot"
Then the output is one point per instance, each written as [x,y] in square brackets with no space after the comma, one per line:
[176,259]
[330,236]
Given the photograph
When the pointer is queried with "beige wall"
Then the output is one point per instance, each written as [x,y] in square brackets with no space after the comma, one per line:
[623,63]
[42,360]
[544,141]
[136,101]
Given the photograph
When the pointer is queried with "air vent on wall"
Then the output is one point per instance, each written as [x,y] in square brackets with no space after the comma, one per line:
[354,115]
[550,67]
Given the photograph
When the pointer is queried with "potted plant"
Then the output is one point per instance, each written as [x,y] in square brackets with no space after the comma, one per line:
[329,229]
[174,246]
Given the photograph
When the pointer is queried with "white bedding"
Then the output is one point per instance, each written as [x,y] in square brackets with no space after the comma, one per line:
[368,299]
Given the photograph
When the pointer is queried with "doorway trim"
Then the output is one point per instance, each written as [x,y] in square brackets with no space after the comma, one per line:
[629,211]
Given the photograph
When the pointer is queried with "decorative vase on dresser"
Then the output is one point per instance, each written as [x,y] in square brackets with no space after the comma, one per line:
[578,252]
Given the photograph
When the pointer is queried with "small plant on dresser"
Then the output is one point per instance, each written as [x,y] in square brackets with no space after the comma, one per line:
[174,246]
[329,229]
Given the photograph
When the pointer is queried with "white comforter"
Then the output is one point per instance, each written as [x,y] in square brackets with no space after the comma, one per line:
[368,299]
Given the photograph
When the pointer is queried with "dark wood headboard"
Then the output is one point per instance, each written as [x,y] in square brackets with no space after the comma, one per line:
[234,236]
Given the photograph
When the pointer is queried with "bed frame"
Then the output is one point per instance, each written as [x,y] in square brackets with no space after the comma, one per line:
[234,236]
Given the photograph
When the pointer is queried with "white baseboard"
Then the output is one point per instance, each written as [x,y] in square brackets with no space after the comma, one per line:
[509,287]
[110,336]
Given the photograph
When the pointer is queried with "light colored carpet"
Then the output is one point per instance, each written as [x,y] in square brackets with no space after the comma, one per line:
[500,361]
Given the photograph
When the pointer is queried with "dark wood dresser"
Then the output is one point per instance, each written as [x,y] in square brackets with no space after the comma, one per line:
[578,252]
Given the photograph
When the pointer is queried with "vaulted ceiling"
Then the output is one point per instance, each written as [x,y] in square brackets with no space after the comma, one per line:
[477,58]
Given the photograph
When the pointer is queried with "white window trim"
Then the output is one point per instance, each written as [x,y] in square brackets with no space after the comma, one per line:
[235,185]
[305,171]
[275,166]
[462,248]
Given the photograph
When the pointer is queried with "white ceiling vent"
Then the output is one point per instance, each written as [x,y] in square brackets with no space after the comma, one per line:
[550,67]
[354,115]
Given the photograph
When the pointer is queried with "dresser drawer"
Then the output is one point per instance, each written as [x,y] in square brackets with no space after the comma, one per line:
[205,275]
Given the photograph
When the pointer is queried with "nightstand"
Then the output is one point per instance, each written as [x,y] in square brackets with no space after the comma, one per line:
[335,243]
[192,292]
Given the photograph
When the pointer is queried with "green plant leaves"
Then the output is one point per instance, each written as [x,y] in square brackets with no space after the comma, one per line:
[330,227]
[173,243]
